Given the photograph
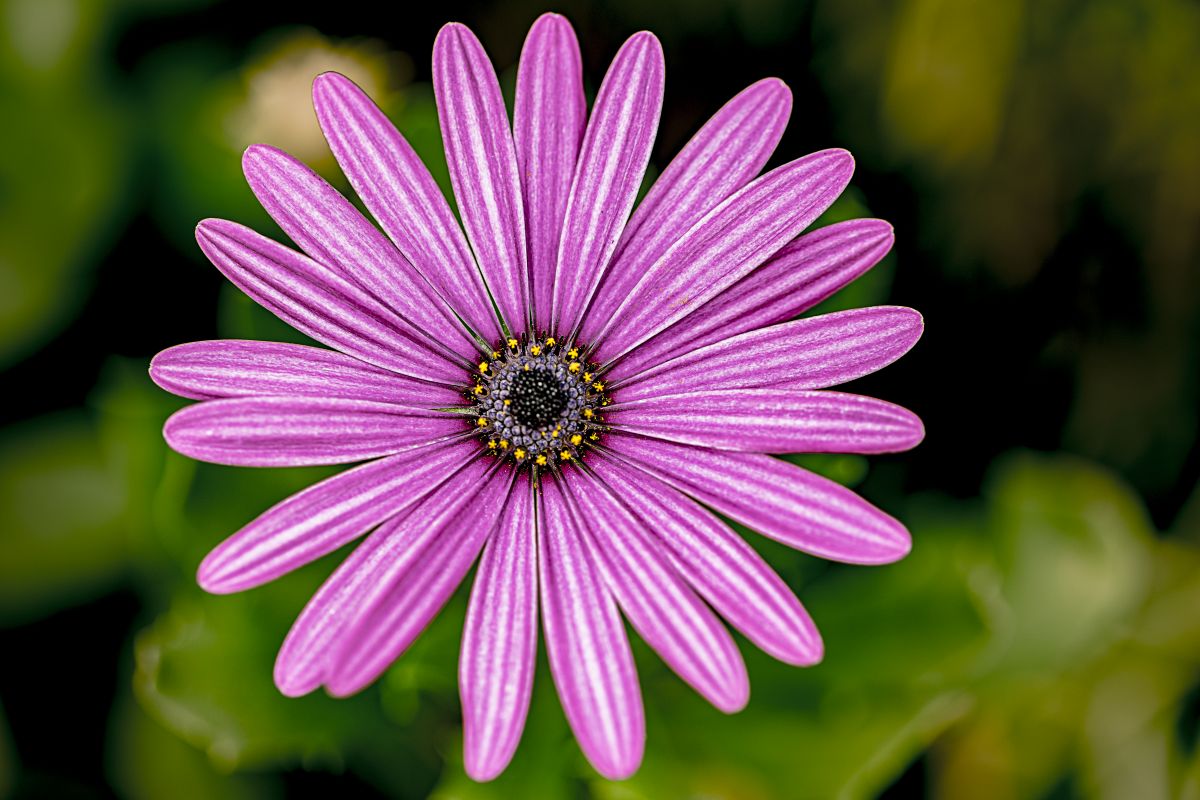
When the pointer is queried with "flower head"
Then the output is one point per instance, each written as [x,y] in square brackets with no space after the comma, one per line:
[564,389]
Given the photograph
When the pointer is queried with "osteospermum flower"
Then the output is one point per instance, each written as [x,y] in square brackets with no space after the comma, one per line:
[564,387]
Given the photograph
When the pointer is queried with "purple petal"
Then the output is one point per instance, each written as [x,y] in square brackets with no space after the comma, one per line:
[328,514]
[812,353]
[332,231]
[318,302]
[548,121]
[239,368]
[483,166]
[775,498]
[395,185]
[661,607]
[723,569]
[589,653]
[721,158]
[773,421]
[358,585]
[616,150]
[731,240]
[384,629]
[796,278]
[499,648]
[297,431]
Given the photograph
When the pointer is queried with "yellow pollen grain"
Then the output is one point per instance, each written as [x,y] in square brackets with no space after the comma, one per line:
[576,440]
[541,461]
[573,352]
[495,354]
[587,412]
[512,343]
[598,386]
[482,422]
[537,351]
[549,341]
[519,454]
[478,389]
[565,455]
[587,376]
[504,444]
[594,436]
[483,366]
[527,368]
[507,402]
[554,433]
[574,366]
[491,444]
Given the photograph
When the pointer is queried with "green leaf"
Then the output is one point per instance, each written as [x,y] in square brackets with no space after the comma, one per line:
[62,514]
[1074,558]
[146,762]
[204,671]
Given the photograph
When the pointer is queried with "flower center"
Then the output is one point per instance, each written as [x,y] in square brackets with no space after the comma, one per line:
[537,402]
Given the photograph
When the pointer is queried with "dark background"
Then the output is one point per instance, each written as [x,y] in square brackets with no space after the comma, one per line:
[1040,162]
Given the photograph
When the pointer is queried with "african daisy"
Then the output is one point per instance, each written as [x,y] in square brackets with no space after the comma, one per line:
[564,389]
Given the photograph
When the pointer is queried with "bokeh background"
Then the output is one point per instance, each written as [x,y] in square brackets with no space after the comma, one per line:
[1040,160]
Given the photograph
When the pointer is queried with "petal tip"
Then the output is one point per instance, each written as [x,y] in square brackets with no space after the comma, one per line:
[483,768]
[212,577]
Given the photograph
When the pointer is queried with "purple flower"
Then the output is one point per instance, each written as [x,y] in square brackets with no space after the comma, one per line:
[569,389]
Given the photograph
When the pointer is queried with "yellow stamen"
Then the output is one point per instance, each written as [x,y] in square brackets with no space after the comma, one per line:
[537,351]
[519,454]
[574,366]
[491,444]
[573,352]
[478,388]
[549,341]
[482,422]
[565,455]
[512,343]
[495,354]
[541,461]
[507,402]
[598,386]
[594,436]
[576,440]
[588,413]
[504,444]
[483,366]
[587,376]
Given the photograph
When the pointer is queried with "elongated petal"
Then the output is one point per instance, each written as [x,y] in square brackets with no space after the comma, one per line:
[718,563]
[362,580]
[589,653]
[794,280]
[332,231]
[662,608]
[731,240]
[775,498]
[548,122]
[328,514]
[295,431]
[773,421]
[483,166]
[616,150]
[382,634]
[239,368]
[812,353]
[721,158]
[318,302]
[499,647]
[397,188]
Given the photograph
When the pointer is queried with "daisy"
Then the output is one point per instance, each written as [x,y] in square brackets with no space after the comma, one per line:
[567,390]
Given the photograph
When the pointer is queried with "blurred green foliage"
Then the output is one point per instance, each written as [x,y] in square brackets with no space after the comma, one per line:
[1043,638]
